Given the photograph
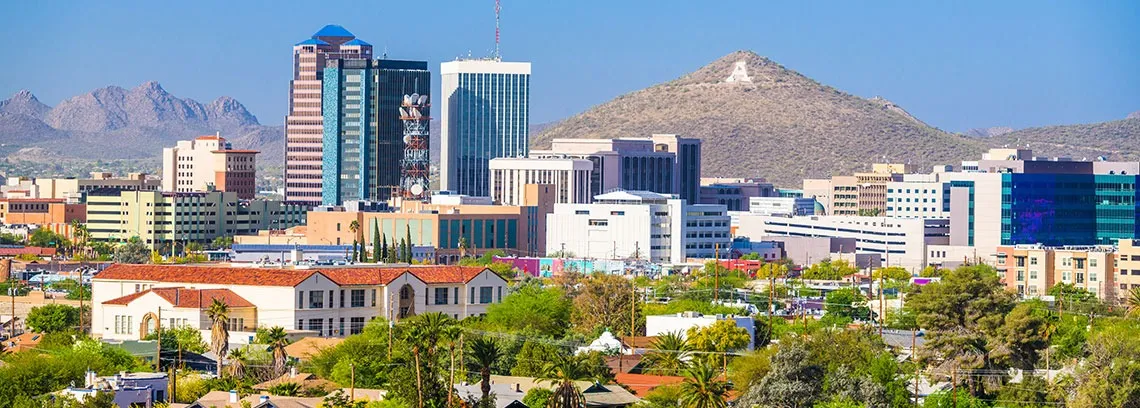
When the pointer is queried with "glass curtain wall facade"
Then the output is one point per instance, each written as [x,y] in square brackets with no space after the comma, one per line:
[486,116]
[1067,209]
[363,134]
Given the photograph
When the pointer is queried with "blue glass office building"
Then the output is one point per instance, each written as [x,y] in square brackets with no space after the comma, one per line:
[363,134]
[1057,209]
[485,115]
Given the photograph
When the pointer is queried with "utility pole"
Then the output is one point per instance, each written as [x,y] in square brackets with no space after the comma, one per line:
[954,385]
[352,386]
[771,298]
[12,322]
[158,342]
[914,359]
[882,307]
[716,273]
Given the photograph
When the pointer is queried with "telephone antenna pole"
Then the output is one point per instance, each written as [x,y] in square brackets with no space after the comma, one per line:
[498,55]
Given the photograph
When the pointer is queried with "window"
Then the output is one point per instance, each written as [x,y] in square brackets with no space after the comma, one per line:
[358,298]
[373,297]
[599,222]
[499,294]
[340,330]
[317,325]
[471,297]
[1092,276]
[485,295]
[1033,260]
[1092,263]
[316,299]
[581,212]
[342,298]
[355,325]
[236,324]
[1032,275]
[1020,276]
[456,300]
[300,300]
[441,296]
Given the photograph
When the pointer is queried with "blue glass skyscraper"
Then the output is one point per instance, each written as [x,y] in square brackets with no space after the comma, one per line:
[485,115]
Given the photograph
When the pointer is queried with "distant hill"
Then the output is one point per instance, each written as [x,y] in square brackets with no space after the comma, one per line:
[989,132]
[1117,140]
[114,123]
[769,121]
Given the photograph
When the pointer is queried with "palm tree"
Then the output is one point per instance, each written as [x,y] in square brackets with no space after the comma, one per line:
[561,373]
[277,339]
[424,333]
[354,226]
[701,388]
[485,351]
[219,331]
[1133,302]
[238,361]
[671,354]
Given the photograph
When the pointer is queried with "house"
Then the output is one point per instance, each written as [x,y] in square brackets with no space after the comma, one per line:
[130,389]
[307,347]
[231,399]
[682,322]
[26,341]
[130,300]
[510,390]
[642,384]
[305,382]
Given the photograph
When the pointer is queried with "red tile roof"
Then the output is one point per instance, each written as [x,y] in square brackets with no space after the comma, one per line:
[432,274]
[641,384]
[188,298]
[207,137]
[38,251]
[206,274]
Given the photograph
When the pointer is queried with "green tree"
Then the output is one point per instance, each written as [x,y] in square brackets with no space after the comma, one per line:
[1110,375]
[532,306]
[747,370]
[702,388]
[44,237]
[793,381]
[375,243]
[1132,303]
[53,318]
[239,359]
[485,352]
[845,305]
[670,354]
[537,397]
[931,272]
[829,270]
[752,256]
[355,250]
[603,301]
[132,252]
[222,242]
[561,374]
[384,248]
[533,356]
[408,239]
[721,337]
[219,313]
[276,339]
[424,334]
[185,338]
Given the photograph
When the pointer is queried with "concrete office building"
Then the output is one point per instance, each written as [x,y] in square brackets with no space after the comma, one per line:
[1127,277]
[363,137]
[569,177]
[781,206]
[736,195]
[1031,270]
[485,115]
[74,190]
[639,224]
[328,302]
[901,242]
[209,163]
[167,220]
[858,194]
[304,129]
[636,164]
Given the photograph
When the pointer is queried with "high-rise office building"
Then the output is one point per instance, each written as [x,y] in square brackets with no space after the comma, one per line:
[303,125]
[209,163]
[486,113]
[363,133]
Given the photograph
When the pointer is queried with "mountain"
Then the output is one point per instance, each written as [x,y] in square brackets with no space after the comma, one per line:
[114,123]
[24,103]
[1116,140]
[988,132]
[758,118]
[1134,115]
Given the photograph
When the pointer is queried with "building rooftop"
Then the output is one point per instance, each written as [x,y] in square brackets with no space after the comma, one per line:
[631,195]
[312,41]
[187,298]
[333,30]
[248,276]
[357,41]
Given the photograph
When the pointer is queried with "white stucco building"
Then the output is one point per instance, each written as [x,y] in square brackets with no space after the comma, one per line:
[639,224]
[570,178]
[332,302]
[682,322]
[209,163]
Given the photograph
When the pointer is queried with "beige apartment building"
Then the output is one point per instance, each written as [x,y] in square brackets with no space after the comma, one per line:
[1128,265]
[209,163]
[73,190]
[1031,270]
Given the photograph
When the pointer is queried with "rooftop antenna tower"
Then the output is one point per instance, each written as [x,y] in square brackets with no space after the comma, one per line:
[498,55]
[414,167]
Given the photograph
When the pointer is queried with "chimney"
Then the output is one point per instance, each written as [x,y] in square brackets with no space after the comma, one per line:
[177,292]
[292,371]
[233,397]
[518,387]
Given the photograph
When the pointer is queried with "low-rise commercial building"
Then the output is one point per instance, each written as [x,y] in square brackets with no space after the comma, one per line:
[735,195]
[74,190]
[641,225]
[40,211]
[163,219]
[782,206]
[661,163]
[1127,277]
[130,301]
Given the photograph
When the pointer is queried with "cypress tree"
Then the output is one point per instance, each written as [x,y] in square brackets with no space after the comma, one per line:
[384,248]
[354,252]
[375,243]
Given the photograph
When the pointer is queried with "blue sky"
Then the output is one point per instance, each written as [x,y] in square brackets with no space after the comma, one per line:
[955,65]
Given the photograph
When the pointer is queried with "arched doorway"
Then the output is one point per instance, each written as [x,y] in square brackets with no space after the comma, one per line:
[407,301]
[148,325]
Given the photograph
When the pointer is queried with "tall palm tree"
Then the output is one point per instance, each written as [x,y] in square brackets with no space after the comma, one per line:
[561,373]
[219,313]
[702,389]
[354,226]
[1133,302]
[424,333]
[670,354]
[485,351]
[277,339]
[238,361]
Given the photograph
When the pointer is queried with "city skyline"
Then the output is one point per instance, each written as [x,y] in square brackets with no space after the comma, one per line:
[954,66]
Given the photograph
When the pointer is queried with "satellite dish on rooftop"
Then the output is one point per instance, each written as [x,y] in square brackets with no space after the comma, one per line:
[407,99]
[423,100]
[417,189]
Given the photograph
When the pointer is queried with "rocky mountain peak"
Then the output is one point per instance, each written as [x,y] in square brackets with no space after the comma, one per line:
[1134,115]
[24,102]
[743,67]
[231,111]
